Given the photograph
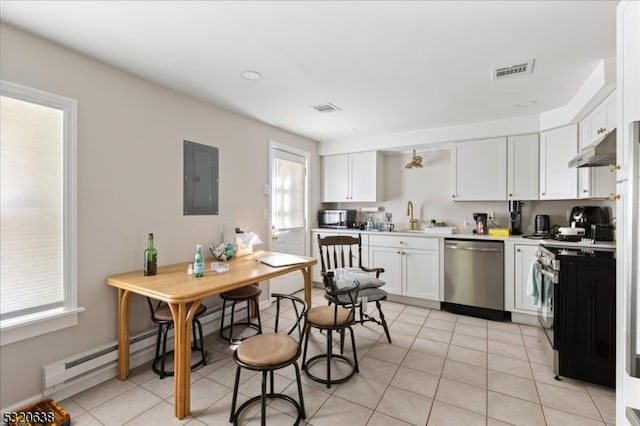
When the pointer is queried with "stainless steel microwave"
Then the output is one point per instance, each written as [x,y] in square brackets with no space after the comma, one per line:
[336,219]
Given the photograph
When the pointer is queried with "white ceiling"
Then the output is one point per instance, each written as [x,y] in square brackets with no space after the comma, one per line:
[390,66]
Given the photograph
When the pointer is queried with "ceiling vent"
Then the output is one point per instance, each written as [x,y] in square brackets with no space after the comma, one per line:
[326,108]
[519,69]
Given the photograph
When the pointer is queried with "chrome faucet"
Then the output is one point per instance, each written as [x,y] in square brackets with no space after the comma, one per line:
[412,221]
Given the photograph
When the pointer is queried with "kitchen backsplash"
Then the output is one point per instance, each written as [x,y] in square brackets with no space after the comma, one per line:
[428,189]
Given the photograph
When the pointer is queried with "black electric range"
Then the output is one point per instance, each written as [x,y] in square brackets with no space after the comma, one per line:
[579,315]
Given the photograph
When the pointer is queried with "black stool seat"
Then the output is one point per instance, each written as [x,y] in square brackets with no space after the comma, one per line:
[242,293]
[250,294]
[161,315]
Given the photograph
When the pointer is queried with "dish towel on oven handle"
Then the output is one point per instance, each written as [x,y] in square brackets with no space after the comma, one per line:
[542,297]
[534,281]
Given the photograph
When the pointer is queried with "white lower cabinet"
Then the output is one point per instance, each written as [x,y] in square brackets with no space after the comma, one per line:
[411,264]
[524,256]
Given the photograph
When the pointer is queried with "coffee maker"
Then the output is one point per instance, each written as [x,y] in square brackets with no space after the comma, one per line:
[481,223]
[515,211]
[585,216]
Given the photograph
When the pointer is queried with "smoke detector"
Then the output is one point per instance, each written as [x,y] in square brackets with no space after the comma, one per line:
[326,108]
[515,70]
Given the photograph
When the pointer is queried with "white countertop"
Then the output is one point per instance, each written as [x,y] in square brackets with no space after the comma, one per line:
[510,239]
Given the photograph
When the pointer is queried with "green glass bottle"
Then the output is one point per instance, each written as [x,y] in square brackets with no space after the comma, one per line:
[150,257]
[198,262]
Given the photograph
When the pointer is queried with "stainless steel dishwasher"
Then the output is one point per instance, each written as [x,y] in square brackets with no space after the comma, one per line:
[474,278]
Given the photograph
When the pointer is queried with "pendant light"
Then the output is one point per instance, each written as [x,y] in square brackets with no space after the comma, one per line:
[415,163]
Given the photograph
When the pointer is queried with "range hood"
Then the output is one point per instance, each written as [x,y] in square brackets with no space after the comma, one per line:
[600,153]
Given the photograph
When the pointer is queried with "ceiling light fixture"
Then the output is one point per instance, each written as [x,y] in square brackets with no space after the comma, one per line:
[351,130]
[251,75]
[415,163]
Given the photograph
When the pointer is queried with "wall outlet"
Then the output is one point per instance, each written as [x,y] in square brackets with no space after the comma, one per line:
[490,216]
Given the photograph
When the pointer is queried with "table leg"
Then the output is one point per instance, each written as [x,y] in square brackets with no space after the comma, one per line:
[124,314]
[183,315]
[306,273]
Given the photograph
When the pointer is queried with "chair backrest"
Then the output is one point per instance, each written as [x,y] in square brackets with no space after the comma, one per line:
[153,309]
[299,308]
[338,251]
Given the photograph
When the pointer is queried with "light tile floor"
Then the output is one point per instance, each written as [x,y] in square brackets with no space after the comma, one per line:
[442,369]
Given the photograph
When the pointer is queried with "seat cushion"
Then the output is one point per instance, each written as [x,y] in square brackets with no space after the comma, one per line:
[372,295]
[348,275]
[246,292]
[263,350]
[323,316]
[163,313]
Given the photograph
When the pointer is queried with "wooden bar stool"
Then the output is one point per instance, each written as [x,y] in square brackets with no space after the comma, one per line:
[249,294]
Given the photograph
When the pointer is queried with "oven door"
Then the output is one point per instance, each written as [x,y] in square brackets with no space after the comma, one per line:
[548,291]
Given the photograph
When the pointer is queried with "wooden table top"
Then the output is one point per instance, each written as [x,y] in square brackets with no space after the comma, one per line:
[172,284]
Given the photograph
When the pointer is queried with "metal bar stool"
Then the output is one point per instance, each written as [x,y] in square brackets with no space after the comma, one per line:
[161,315]
[268,352]
[331,318]
[249,294]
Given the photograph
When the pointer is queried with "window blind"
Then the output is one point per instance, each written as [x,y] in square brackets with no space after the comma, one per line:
[31,198]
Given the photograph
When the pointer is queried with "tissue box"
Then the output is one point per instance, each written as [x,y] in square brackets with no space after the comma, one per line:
[243,251]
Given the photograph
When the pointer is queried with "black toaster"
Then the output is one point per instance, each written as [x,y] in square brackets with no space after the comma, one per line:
[602,231]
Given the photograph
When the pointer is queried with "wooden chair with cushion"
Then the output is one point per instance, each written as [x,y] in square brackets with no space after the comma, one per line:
[161,315]
[336,254]
[268,352]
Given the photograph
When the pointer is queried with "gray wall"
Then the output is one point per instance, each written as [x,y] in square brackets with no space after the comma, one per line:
[130,135]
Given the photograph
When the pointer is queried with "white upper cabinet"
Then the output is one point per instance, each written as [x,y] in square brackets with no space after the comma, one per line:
[601,120]
[479,170]
[522,167]
[353,177]
[557,148]
[597,182]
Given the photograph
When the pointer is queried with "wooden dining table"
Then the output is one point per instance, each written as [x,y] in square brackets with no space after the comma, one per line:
[184,294]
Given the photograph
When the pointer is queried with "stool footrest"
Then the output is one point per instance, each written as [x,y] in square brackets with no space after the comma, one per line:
[226,336]
[246,404]
[337,357]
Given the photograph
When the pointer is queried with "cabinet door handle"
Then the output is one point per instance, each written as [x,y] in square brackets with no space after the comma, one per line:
[518,250]
[613,167]
[510,195]
[614,197]
[585,191]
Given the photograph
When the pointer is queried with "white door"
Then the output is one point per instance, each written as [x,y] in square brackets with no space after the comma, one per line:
[289,211]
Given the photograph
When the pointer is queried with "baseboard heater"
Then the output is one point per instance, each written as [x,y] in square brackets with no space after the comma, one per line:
[65,378]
